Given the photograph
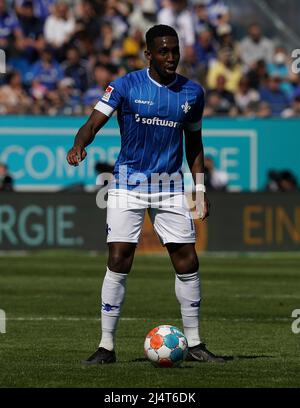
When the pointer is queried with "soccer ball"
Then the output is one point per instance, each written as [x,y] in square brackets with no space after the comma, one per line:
[165,346]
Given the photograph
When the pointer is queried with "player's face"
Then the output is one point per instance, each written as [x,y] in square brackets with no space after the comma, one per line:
[164,56]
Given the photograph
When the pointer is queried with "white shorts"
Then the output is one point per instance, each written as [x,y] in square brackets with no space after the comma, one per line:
[170,216]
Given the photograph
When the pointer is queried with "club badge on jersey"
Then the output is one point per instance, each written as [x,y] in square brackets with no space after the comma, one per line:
[107,93]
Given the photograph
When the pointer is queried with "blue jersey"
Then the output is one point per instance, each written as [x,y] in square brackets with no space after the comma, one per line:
[152,118]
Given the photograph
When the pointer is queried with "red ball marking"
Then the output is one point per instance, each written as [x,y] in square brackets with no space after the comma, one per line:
[164,362]
[152,332]
[156,341]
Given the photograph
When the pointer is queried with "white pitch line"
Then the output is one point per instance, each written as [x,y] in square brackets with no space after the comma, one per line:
[79,319]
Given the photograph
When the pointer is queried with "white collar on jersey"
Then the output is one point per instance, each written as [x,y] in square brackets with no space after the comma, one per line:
[160,85]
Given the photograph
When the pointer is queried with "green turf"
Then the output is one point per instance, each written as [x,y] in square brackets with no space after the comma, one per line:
[246,315]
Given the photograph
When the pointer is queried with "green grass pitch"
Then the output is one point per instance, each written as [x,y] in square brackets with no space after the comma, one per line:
[51,301]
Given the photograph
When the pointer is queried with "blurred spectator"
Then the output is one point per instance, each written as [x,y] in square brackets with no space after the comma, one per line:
[116,14]
[287,181]
[65,100]
[133,45]
[273,181]
[294,110]
[102,78]
[10,31]
[201,19]
[215,180]
[13,98]
[258,75]
[226,102]
[263,110]
[257,110]
[245,95]
[46,72]
[87,22]
[32,29]
[143,16]
[205,49]
[177,15]
[60,25]
[6,180]
[256,47]
[280,67]
[226,40]
[76,68]
[274,96]
[283,181]
[41,8]
[226,66]
[214,11]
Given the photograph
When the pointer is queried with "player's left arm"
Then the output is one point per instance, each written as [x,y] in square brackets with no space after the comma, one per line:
[195,158]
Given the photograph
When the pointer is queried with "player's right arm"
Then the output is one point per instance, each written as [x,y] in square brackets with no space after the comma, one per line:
[85,136]
[110,101]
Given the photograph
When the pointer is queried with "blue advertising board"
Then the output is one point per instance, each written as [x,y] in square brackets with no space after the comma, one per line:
[35,148]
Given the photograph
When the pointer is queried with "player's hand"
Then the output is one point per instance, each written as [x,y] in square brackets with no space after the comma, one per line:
[202,206]
[76,155]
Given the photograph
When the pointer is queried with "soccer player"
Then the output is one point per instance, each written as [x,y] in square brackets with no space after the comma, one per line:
[154,106]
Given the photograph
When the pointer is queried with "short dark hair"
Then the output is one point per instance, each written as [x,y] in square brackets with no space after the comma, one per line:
[159,30]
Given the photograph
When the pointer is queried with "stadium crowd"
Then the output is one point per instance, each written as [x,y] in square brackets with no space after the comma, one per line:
[62,54]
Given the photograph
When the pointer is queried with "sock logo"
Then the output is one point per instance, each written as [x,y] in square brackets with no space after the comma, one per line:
[107,307]
[195,304]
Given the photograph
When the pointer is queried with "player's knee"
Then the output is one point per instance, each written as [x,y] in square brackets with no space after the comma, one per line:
[189,264]
[120,261]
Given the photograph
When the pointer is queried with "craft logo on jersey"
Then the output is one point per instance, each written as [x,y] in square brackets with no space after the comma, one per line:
[150,103]
[186,107]
[107,93]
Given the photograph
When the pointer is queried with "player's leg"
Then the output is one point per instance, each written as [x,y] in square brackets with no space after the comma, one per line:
[187,288]
[123,231]
[176,230]
[113,291]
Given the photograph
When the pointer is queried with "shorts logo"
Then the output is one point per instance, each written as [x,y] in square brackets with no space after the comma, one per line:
[107,93]
[108,229]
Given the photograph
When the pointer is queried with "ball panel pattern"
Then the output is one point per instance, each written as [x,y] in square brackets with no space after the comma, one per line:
[171,341]
[156,341]
[152,332]
[165,362]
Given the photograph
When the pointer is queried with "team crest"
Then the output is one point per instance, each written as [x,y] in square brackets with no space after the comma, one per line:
[186,107]
[107,93]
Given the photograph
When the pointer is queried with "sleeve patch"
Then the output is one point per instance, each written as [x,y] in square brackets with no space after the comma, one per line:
[107,93]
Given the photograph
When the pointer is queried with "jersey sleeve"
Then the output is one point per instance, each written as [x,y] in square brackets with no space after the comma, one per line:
[112,98]
[194,117]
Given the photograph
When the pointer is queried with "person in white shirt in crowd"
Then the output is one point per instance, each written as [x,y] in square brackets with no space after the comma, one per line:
[60,25]
[143,16]
[255,46]
[178,15]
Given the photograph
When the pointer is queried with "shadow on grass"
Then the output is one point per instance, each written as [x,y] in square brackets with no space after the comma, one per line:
[226,358]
